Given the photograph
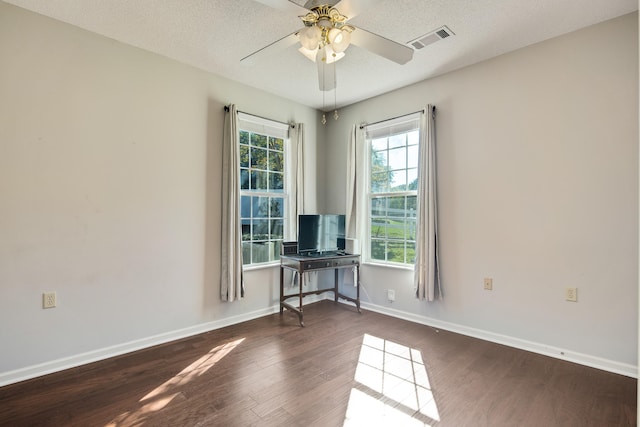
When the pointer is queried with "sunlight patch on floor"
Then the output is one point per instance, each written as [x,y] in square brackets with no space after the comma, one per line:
[392,387]
[158,398]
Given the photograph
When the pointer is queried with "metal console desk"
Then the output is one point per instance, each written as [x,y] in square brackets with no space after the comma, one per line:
[303,264]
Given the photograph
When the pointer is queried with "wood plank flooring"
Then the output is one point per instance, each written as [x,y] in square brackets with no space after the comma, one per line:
[342,369]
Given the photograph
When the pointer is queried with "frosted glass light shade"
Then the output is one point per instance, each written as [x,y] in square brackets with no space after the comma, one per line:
[310,37]
[339,39]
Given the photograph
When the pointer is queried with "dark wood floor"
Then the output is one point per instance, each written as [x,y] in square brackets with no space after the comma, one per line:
[342,369]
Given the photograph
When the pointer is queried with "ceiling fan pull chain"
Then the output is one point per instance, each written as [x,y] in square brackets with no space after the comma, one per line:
[335,95]
[324,117]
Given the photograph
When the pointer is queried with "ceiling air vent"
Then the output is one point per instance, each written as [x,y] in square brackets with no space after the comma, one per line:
[432,37]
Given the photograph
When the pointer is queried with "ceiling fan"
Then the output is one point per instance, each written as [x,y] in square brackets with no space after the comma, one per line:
[326,35]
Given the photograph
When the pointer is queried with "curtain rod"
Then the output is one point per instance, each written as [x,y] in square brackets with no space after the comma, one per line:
[226,108]
[364,125]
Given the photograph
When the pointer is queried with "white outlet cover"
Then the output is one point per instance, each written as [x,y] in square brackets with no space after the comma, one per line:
[48,300]
[571,294]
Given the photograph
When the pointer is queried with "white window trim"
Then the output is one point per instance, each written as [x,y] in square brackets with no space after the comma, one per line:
[260,125]
[382,129]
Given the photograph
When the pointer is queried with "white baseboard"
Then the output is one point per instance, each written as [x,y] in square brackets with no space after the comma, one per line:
[558,353]
[34,371]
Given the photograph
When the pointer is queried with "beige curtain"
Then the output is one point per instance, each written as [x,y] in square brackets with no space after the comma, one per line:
[295,185]
[231,280]
[356,203]
[427,269]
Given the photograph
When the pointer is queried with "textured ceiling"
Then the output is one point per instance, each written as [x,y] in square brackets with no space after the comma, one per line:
[215,34]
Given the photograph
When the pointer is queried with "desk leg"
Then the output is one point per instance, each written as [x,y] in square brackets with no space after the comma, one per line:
[358,287]
[281,289]
[335,284]
[300,282]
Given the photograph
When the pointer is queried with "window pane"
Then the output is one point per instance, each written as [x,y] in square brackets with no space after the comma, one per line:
[246,253]
[259,158]
[260,207]
[276,181]
[245,207]
[410,229]
[412,179]
[379,160]
[244,179]
[395,229]
[412,206]
[246,230]
[380,182]
[277,207]
[377,250]
[413,137]
[379,206]
[397,206]
[398,158]
[259,140]
[395,251]
[275,254]
[258,180]
[410,253]
[244,137]
[275,161]
[260,229]
[276,143]
[412,157]
[378,228]
[244,156]
[260,252]
[397,141]
[379,144]
[277,228]
[399,182]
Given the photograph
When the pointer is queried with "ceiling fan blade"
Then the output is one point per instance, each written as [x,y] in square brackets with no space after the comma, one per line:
[352,8]
[285,6]
[276,46]
[379,45]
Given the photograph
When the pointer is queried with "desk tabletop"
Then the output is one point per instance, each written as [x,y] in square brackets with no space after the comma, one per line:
[298,257]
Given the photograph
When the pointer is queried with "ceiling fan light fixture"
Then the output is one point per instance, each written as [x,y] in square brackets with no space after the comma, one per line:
[339,39]
[310,37]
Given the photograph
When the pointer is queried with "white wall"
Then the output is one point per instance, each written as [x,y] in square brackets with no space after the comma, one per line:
[110,179]
[537,176]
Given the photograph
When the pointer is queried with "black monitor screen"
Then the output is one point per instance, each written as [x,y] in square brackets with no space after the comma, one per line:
[320,233]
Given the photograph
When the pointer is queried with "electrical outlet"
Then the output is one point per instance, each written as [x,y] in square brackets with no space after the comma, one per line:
[488,284]
[48,300]
[571,294]
[391,295]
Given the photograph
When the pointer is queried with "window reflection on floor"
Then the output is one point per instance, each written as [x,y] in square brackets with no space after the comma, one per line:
[392,387]
[158,398]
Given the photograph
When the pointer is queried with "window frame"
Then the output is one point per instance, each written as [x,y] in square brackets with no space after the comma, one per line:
[387,129]
[270,129]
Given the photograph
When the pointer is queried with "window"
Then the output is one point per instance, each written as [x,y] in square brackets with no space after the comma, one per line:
[392,193]
[263,196]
